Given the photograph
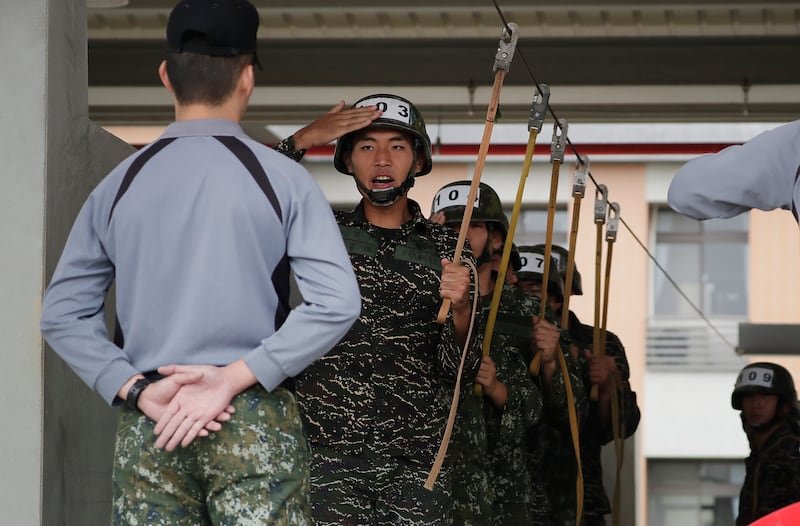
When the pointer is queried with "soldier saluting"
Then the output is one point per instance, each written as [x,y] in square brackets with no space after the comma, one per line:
[373,407]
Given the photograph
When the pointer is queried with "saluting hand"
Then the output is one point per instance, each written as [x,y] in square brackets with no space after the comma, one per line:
[334,124]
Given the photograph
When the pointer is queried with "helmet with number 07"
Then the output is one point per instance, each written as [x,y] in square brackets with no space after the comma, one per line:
[561,255]
[398,114]
[532,259]
[765,378]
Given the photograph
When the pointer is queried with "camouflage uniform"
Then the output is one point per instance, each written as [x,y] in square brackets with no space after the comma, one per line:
[773,475]
[379,393]
[508,428]
[551,457]
[594,434]
[467,463]
[254,471]
[491,483]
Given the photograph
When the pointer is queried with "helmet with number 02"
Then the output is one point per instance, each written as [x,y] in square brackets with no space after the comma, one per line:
[398,114]
[561,254]
[765,378]
[532,259]
[451,200]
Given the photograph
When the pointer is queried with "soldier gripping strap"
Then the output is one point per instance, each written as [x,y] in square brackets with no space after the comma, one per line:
[505,53]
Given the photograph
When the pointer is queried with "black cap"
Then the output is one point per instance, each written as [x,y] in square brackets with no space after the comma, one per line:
[219,28]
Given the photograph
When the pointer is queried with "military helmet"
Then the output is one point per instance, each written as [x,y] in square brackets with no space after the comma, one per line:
[515,260]
[765,378]
[561,255]
[398,114]
[532,261]
[451,200]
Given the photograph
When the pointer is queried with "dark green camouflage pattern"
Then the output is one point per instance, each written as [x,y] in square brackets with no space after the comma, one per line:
[385,388]
[378,490]
[509,427]
[467,463]
[594,434]
[252,472]
[772,480]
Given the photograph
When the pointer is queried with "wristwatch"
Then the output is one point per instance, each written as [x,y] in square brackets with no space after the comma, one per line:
[132,400]
[287,148]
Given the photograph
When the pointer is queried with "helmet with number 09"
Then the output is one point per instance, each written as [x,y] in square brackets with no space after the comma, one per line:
[765,378]
[398,114]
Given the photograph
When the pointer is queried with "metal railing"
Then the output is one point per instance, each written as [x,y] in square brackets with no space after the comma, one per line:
[691,344]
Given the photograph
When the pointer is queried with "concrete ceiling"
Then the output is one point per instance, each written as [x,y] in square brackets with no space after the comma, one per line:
[606,60]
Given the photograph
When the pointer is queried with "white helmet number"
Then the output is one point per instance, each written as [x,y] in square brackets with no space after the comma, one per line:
[532,262]
[392,109]
[757,376]
[454,196]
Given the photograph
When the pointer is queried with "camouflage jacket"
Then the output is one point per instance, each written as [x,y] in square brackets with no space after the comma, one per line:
[383,387]
[508,428]
[594,434]
[544,444]
[772,480]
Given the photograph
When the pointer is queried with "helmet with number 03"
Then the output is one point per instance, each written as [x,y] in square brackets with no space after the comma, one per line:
[451,200]
[561,254]
[532,260]
[765,378]
[398,114]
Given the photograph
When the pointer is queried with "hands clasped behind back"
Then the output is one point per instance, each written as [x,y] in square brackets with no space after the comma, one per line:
[189,402]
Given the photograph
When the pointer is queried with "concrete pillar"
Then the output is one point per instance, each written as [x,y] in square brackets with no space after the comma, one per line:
[55,445]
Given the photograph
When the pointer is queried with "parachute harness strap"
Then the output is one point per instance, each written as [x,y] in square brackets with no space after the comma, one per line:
[578,192]
[617,418]
[505,53]
[451,418]
[600,205]
[557,146]
[503,58]
[535,121]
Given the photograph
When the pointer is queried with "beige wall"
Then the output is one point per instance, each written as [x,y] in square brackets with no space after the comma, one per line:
[774,279]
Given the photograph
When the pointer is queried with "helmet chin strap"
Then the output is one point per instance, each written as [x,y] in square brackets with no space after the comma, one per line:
[386,196]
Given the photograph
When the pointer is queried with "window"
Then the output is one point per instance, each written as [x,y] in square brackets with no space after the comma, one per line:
[532,226]
[708,261]
[693,493]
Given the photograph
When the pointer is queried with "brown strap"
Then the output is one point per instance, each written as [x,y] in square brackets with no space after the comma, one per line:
[491,112]
[451,418]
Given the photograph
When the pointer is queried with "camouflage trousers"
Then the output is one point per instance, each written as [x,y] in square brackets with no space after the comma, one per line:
[375,490]
[254,471]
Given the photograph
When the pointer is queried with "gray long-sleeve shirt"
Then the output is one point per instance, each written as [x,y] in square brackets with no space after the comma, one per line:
[193,244]
[762,173]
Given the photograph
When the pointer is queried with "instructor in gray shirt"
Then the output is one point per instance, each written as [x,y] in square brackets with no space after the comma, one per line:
[199,231]
[761,173]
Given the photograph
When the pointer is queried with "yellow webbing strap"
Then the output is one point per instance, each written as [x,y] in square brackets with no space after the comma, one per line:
[538,109]
[578,191]
[557,147]
[600,205]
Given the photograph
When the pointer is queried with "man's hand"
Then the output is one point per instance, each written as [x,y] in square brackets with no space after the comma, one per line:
[194,406]
[437,217]
[337,122]
[546,338]
[455,285]
[492,387]
[600,371]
